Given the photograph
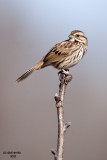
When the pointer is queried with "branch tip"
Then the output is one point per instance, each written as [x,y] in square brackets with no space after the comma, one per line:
[67,125]
[53,151]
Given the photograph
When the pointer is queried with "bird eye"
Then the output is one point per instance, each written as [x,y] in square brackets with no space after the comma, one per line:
[77,35]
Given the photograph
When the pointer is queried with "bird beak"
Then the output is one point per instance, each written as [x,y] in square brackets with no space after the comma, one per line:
[71,36]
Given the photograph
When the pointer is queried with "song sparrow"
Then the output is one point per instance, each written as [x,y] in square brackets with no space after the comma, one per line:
[63,55]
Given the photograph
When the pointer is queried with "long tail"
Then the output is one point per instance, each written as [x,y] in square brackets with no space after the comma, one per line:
[26,74]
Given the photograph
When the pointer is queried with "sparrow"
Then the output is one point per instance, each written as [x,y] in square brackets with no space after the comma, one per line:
[63,55]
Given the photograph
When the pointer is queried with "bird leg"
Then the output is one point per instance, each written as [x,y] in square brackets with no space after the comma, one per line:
[66,76]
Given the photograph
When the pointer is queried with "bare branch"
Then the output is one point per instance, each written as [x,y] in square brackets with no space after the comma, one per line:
[64,78]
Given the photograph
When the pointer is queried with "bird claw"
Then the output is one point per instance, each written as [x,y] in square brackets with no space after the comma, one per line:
[67,79]
[65,76]
[64,71]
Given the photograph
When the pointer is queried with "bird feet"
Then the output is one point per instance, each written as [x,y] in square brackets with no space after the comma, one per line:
[64,76]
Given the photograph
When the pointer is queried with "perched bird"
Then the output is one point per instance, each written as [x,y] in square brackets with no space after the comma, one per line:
[63,55]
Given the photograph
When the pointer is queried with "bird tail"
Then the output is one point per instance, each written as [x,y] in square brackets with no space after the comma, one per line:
[27,73]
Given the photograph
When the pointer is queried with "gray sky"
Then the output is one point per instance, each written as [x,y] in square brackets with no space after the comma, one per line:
[28,119]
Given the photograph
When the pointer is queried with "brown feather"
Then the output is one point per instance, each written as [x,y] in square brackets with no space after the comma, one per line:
[27,73]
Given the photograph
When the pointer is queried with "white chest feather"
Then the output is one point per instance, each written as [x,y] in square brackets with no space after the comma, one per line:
[76,57]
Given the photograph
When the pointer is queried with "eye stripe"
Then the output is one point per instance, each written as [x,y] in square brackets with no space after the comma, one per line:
[83,36]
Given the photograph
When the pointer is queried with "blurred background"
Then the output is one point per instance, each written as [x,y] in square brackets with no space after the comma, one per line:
[28,117]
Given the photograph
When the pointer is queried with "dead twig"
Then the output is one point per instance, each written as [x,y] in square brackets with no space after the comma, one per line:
[64,78]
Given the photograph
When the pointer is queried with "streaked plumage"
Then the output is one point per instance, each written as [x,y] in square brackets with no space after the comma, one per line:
[64,54]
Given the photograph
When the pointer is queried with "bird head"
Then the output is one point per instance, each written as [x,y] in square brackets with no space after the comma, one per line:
[78,36]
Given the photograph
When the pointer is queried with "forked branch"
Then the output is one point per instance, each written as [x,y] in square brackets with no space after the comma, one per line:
[64,78]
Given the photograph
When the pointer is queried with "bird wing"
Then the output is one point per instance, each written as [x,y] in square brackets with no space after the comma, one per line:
[59,51]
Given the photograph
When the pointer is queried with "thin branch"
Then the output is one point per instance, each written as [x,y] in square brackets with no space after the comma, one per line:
[62,127]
